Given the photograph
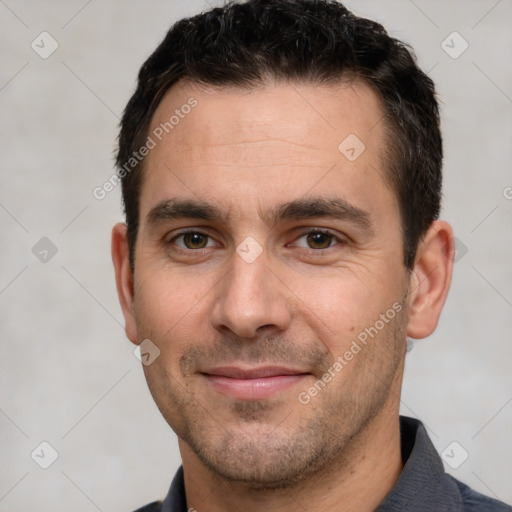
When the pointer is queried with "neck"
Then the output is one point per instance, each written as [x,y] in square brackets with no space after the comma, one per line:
[357,480]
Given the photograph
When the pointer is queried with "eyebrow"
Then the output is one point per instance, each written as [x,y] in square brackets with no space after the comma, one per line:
[335,208]
[300,209]
[172,209]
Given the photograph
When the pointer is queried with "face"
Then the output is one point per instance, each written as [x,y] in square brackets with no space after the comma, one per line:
[268,272]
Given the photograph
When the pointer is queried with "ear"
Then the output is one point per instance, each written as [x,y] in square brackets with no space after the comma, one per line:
[430,279]
[124,279]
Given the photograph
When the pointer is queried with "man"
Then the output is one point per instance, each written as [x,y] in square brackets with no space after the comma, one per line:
[281,172]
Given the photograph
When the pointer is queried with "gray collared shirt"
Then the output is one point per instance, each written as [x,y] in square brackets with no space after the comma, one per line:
[423,485]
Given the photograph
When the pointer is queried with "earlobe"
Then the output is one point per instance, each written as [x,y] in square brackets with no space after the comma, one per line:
[124,279]
[430,279]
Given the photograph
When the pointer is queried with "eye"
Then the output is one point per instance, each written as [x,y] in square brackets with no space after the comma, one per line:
[193,240]
[317,240]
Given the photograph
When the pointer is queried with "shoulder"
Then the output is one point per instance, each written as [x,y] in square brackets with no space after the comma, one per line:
[475,502]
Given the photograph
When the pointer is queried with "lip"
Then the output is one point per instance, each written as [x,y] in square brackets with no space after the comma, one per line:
[253,383]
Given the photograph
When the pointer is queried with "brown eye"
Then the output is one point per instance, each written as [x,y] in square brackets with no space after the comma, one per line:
[193,240]
[318,240]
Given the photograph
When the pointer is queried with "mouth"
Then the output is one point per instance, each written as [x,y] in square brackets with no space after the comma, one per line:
[253,383]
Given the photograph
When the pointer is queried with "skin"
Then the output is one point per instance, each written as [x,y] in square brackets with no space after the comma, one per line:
[300,303]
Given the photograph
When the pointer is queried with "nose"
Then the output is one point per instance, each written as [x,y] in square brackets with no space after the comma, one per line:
[251,297]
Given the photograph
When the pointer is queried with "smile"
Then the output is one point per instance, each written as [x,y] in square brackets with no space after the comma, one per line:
[253,384]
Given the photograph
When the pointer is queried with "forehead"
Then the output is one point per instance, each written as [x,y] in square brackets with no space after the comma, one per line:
[286,133]
[289,111]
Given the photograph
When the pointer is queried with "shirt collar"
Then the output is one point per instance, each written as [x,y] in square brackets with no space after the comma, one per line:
[423,485]
[175,500]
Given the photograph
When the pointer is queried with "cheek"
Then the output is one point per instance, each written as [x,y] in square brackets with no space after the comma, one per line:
[170,310]
[340,307]
[336,300]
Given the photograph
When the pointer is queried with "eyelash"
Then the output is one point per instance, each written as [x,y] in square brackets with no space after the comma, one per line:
[335,240]
[189,232]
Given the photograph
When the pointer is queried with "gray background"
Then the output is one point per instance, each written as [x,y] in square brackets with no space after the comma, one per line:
[68,375]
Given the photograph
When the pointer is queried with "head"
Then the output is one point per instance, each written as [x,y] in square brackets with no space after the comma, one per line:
[283,214]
